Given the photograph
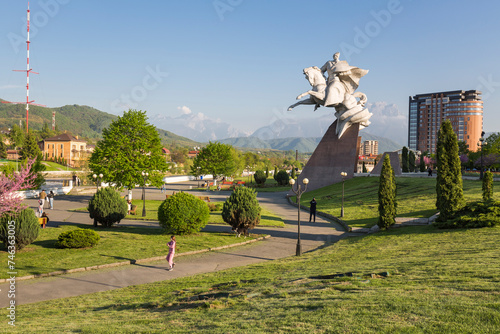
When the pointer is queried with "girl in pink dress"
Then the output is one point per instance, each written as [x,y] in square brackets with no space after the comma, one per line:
[171,253]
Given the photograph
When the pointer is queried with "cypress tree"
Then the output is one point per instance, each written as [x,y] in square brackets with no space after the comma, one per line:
[364,168]
[411,161]
[404,159]
[422,162]
[449,190]
[487,186]
[387,195]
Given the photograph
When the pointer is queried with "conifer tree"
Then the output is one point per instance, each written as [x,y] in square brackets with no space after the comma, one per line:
[449,191]
[487,186]
[387,195]
[404,159]
[411,161]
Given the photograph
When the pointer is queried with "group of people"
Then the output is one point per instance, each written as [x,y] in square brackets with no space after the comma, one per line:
[44,197]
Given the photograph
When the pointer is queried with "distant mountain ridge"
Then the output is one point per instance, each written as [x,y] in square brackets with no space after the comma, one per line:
[303,145]
[83,121]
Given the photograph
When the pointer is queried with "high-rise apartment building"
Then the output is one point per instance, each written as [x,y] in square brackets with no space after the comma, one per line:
[369,147]
[464,109]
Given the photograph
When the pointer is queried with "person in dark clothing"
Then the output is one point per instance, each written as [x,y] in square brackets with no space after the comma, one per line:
[429,171]
[312,210]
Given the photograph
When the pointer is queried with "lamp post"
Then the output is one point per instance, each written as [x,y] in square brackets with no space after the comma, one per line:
[299,193]
[480,144]
[97,180]
[344,174]
[145,177]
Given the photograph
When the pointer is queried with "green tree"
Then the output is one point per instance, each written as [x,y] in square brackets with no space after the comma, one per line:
[31,150]
[107,207]
[216,159]
[387,195]
[422,161]
[242,210]
[487,186]
[3,150]
[449,190]
[259,177]
[364,168]
[411,161]
[275,172]
[293,173]
[26,228]
[16,136]
[130,145]
[404,159]
[267,171]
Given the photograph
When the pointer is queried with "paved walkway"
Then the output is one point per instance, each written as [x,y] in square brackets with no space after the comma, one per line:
[282,244]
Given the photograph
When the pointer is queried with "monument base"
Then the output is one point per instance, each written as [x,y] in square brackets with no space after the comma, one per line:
[332,157]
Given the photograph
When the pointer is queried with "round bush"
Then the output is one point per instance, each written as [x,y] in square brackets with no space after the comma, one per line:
[107,207]
[241,210]
[260,177]
[282,178]
[183,213]
[79,238]
[23,225]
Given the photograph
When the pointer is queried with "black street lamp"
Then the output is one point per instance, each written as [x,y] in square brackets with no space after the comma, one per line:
[97,180]
[299,193]
[145,177]
[480,144]
[344,174]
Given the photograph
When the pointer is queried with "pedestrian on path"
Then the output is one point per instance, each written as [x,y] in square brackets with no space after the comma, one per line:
[429,171]
[50,196]
[40,208]
[312,210]
[43,196]
[171,253]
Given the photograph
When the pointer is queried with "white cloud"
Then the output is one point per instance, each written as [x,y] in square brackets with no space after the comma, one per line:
[184,110]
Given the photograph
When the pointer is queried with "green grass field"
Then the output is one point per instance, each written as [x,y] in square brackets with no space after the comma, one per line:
[416,197]
[49,166]
[117,244]
[441,281]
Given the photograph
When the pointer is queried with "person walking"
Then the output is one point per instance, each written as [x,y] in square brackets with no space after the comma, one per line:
[171,253]
[50,197]
[43,196]
[40,208]
[312,210]
[429,171]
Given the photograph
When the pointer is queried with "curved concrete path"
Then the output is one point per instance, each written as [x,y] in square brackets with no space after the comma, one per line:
[282,244]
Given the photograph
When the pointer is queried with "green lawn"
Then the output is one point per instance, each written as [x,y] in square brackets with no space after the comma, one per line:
[441,281]
[49,166]
[416,197]
[117,244]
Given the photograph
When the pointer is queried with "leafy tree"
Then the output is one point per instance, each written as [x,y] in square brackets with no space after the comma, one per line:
[216,159]
[450,197]
[183,213]
[16,136]
[463,148]
[282,178]
[242,210]
[130,145]
[107,207]
[487,186]
[179,155]
[404,159]
[387,195]
[411,161]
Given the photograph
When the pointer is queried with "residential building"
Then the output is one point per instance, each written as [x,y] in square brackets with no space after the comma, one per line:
[369,147]
[464,109]
[71,148]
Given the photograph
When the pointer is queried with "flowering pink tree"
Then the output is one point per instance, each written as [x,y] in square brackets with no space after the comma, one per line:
[10,184]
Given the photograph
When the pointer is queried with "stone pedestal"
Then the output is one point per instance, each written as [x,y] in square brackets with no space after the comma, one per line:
[331,157]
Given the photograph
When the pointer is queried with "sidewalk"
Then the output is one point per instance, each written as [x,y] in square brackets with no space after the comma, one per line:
[282,244]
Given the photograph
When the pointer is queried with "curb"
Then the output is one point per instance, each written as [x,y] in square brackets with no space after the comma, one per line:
[123,263]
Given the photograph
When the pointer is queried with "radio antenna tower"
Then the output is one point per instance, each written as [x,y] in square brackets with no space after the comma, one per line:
[28,71]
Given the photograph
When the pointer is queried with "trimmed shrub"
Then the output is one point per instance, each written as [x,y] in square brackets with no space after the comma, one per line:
[183,213]
[387,195]
[474,215]
[107,207]
[260,177]
[487,186]
[79,238]
[242,210]
[282,178]
[25,226]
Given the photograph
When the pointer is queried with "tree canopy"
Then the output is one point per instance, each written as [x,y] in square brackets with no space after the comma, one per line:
[130,146]
[216,159]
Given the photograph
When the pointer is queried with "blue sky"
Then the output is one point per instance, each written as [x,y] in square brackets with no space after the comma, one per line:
[241,61]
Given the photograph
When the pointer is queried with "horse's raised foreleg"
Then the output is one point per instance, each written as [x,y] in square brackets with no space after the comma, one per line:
[306,101]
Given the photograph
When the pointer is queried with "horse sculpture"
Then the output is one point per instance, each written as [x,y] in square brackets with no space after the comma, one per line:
[349,105]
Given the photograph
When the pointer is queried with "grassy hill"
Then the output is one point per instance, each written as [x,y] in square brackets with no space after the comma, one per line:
[83,121]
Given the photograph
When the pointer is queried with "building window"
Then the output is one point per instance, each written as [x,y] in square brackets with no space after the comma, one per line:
[62,146]
[61,155]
